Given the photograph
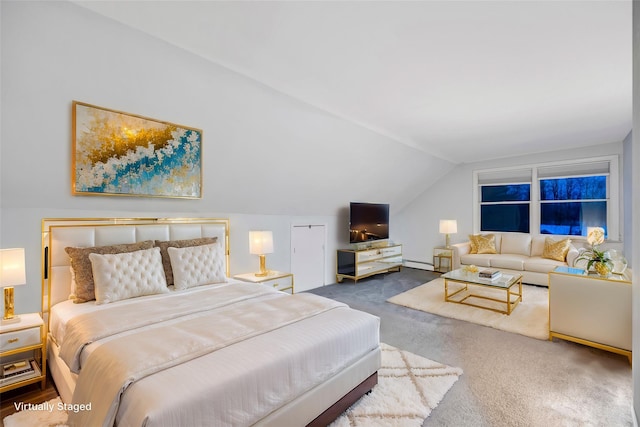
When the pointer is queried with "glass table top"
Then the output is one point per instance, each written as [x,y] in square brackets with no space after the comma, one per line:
[505,280]
[623,277]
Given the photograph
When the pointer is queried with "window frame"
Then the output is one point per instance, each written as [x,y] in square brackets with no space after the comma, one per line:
[613,190]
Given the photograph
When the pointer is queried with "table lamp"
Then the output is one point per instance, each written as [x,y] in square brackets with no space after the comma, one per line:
[448,226]
[261,243]
[12,273]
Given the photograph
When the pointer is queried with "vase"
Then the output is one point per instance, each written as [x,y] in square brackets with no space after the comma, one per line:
[602,268]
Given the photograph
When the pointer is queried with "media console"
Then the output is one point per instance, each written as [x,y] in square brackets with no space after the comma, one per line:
[356,264]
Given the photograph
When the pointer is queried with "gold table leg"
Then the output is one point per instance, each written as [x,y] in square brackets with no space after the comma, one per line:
[510,306]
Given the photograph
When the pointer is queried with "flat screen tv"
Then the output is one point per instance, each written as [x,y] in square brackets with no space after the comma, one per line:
[368,221]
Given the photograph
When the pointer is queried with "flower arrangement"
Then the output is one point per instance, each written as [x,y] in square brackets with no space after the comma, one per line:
[470,269]
[596,257]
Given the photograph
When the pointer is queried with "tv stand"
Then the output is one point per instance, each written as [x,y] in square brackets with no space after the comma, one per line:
[357,264]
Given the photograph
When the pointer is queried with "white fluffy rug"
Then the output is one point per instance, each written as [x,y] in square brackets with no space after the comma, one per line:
[530,317]
[43,415]
[409,387]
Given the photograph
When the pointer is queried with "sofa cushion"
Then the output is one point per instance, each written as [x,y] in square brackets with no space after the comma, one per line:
[481,260]
[542,265]
[537,245]
[556,250]
[510,261]
[516,243]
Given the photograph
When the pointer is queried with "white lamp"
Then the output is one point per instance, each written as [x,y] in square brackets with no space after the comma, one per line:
[12,273]
[448,226]
[261,243]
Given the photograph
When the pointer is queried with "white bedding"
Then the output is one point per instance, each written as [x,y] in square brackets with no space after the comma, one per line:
[244,382]
[64,311]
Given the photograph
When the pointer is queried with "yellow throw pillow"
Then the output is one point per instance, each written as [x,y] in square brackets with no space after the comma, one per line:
[482,244]
[556,250]
[473,238]
[486,244]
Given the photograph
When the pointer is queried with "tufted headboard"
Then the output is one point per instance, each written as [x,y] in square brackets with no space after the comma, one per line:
[57,234]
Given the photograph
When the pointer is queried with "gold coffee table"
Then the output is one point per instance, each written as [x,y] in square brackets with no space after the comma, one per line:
[504,283]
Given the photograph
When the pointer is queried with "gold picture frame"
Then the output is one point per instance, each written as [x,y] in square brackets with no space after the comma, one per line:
[121,154]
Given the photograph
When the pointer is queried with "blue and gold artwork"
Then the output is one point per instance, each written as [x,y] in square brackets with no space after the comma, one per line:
[117,153]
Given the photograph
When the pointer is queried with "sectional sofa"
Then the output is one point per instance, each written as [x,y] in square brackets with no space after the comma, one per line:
[515,253]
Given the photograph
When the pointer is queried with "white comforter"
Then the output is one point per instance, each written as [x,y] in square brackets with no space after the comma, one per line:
[235,353]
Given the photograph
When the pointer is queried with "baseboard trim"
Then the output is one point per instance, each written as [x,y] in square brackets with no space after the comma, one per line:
[418,264]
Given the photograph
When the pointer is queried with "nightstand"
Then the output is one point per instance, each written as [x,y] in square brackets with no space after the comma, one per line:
[22,346]
[276,279]
[440,254]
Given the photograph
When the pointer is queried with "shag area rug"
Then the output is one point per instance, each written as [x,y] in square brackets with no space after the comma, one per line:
[47,414]
[530,317]
[409,388]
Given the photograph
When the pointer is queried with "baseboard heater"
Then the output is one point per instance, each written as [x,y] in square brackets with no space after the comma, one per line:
[418,264]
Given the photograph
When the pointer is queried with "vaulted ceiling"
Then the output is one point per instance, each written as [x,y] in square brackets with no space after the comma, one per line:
[462,80]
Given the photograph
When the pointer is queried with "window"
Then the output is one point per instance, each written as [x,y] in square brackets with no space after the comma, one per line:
[567,198]
[505,207]
[569,205]
[505,200]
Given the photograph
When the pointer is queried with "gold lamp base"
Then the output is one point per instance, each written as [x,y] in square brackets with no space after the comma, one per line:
[9,317]
[263,267]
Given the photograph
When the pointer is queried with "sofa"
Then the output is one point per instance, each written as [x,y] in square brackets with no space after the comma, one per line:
[516,253]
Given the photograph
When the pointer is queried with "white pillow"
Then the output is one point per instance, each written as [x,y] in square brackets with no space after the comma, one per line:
[197,265]
[127,275]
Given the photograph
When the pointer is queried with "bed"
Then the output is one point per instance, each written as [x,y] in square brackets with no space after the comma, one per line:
[170,339]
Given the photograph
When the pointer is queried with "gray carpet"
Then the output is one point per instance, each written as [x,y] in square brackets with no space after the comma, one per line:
[509,379]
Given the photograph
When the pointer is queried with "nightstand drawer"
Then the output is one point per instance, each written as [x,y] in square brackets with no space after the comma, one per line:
[23,338]
[281,283]
[274,279]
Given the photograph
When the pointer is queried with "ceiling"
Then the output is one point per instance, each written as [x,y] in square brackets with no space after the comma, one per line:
[463,80]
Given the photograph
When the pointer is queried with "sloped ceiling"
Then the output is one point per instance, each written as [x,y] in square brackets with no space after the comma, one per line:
[462,80]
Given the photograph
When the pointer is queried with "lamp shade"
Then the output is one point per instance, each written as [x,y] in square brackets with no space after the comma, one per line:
[12,267]
[260,242]
[448,226]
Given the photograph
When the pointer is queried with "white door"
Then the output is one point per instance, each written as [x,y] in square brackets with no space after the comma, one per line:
[308,256]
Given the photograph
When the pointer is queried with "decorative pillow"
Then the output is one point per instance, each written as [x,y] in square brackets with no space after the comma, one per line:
[197,265]
[166,262]
[127,275]
[482,244]
[556,250]
[473,244]
[81,265]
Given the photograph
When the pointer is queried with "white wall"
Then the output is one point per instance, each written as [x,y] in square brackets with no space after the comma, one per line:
[262,151]
[627,165]
[635,153]
[268,160]
[452,198]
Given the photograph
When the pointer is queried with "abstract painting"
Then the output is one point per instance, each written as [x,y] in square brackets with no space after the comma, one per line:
[122,154]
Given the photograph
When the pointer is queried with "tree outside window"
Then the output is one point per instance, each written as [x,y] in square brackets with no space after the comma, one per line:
[569,205]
